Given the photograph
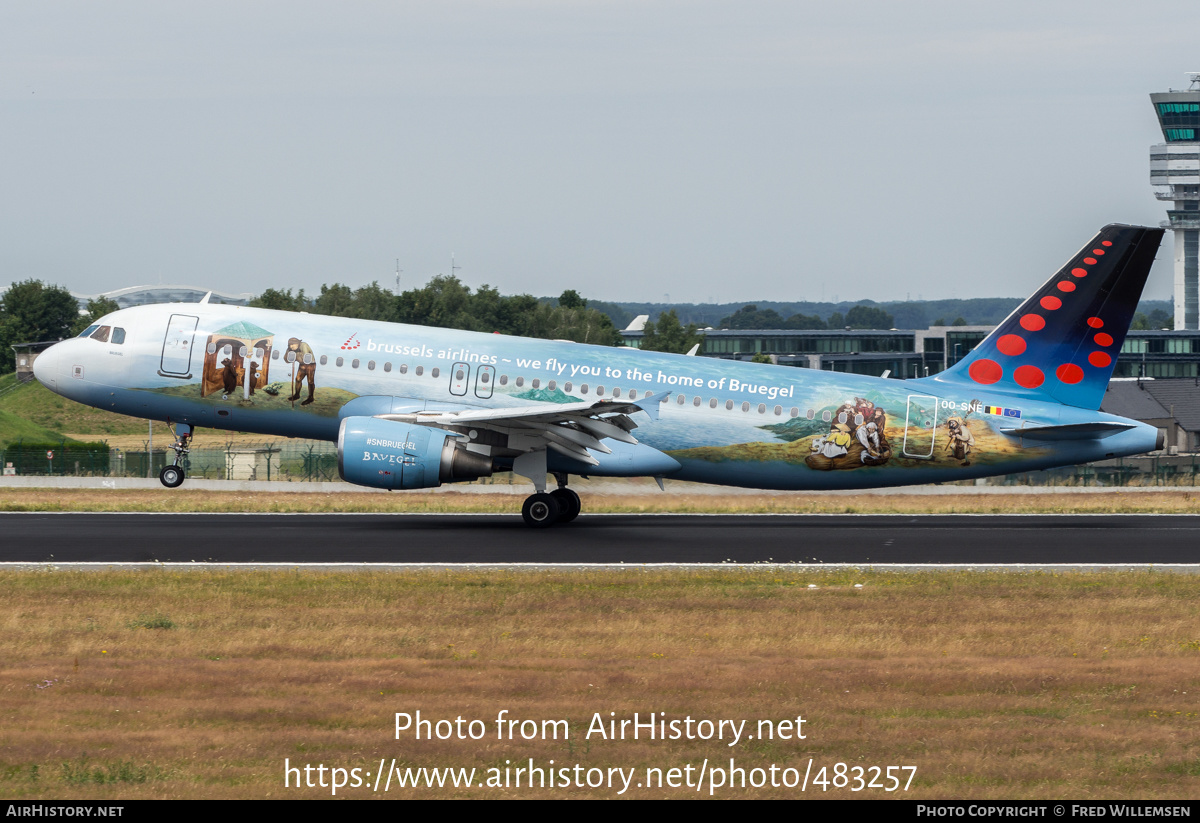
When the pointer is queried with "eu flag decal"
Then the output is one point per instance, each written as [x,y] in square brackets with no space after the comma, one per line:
[1000,411]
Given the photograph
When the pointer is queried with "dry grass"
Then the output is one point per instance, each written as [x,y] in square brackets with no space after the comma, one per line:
[192,500]
[200,684]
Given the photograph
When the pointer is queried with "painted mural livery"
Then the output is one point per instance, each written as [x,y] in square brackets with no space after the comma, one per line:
[459,405]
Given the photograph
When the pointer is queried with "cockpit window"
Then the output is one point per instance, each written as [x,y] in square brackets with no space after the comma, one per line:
[88,331]
[118,335]
[101,334]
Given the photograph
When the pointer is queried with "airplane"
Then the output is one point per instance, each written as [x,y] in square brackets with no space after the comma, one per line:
[413,407]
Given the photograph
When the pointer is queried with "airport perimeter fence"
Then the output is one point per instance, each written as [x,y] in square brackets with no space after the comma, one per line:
[316,461]
[302,461]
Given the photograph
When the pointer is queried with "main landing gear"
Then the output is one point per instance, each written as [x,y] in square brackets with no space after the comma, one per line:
[543,510]
[172,476]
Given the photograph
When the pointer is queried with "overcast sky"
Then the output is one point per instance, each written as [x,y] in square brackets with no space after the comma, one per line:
[706,150]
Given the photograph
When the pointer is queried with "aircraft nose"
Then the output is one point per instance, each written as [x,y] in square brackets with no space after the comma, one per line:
[46,366]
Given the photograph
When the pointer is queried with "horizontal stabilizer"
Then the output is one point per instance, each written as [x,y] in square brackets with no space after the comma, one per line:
[1071,431]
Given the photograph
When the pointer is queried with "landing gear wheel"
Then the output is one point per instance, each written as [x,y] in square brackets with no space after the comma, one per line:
[540,511]
[568,504]
[171,476]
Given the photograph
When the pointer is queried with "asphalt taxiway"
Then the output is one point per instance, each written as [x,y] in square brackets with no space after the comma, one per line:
[351,539]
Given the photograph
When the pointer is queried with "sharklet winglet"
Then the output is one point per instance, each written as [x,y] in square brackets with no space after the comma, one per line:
[650,403]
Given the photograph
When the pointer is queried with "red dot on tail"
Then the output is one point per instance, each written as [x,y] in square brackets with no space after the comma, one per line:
[1066,285]
[1103,339]
[1069,373]
[1050,302]
[1011,344]
[1099,252]
[1091,261]
[1033,322]
[1029,376]
[1099,359]
[1105,242]
[1095,322]
[985,371]
[1079,272]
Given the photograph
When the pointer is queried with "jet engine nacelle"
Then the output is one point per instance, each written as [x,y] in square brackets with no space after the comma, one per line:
[388,455]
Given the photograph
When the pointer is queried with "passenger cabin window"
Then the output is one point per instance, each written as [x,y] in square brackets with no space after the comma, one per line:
[324,358]
[339,362]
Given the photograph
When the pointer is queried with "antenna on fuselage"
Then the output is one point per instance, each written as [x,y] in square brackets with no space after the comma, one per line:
[398,270]
[453,268]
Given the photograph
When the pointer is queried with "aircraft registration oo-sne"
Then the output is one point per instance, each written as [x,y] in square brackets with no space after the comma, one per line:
[413,407]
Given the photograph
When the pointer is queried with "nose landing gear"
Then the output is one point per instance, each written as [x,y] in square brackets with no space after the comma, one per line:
[172,476]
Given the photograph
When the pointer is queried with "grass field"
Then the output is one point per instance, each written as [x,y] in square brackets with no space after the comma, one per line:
[36,405]
[634,501]
[199,684]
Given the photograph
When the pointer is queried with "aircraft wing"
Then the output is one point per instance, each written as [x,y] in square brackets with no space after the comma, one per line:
[568,428]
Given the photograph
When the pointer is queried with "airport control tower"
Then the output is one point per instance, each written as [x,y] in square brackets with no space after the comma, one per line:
[1176,165]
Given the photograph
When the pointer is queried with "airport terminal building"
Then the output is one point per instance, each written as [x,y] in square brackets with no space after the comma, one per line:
[911,353]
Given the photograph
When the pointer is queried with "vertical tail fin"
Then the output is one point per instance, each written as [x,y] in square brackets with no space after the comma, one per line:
[1062,343]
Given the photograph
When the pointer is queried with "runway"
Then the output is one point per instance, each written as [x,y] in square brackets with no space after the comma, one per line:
[442,540]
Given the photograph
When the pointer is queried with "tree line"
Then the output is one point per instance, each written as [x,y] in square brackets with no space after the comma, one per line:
[445,302]
[32,312]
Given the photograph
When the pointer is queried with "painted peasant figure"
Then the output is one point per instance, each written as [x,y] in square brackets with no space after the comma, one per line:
[300,354]
[961,442]
[856,438]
